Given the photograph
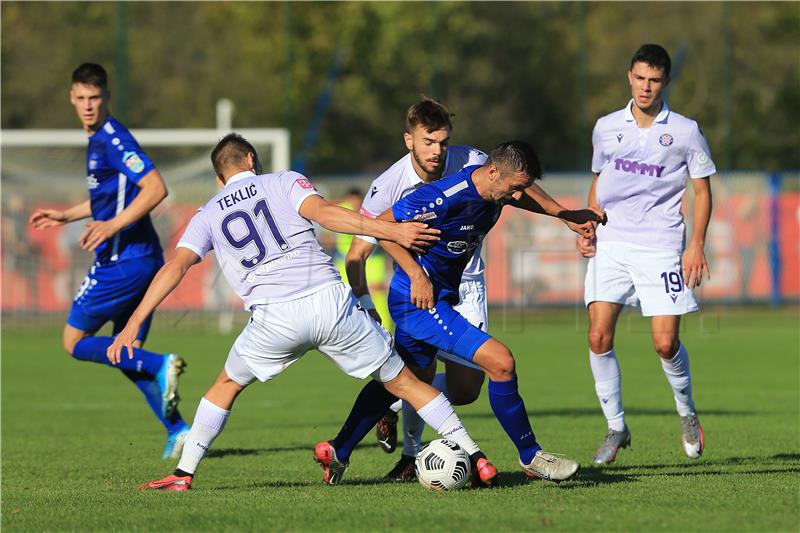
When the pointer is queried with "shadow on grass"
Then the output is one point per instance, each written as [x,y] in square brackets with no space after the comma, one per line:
[317,482]
[699,466]
[595,411]
[236,452]
[585,477]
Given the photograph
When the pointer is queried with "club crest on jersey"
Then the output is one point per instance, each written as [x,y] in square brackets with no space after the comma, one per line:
[666,140]
[133,161]
[304,183]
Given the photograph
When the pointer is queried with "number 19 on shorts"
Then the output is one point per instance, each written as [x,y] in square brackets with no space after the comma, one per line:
[673,282]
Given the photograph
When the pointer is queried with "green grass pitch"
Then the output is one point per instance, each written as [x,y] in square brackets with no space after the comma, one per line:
[77,439]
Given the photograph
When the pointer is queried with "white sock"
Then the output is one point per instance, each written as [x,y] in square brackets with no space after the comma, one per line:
[607,384]
[208,423]
[677,372]
[439,414]
[396,406]
[413,425]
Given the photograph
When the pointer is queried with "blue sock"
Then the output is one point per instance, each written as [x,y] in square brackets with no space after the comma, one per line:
[510,411]
[152,394]
[372,403]
[94,349]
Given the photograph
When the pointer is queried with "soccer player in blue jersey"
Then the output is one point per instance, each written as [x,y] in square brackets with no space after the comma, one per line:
[424,289]
[124,186]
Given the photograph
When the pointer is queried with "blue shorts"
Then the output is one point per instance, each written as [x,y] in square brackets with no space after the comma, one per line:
[420,333]
[112,291]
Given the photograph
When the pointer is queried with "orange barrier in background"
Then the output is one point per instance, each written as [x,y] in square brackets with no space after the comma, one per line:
[531,259]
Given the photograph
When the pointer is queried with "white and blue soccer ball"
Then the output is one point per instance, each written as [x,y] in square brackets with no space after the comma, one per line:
[443,465]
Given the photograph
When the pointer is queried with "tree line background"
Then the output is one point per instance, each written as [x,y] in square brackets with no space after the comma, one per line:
[340,75]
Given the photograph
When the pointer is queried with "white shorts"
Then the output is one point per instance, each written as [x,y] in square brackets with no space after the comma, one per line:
[635,275]
[330,320]
[472,306]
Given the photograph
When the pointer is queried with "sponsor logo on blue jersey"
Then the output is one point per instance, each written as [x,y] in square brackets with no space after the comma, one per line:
[457,247]
[422,217]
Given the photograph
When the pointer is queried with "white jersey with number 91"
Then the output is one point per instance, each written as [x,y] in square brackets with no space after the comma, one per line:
[266,249]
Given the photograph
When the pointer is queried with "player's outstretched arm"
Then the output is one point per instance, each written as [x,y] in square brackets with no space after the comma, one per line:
[165,281]
[694,258]
[47,218]
[413,235]
[152,191]
[581,221]
[355,264]
[421,287]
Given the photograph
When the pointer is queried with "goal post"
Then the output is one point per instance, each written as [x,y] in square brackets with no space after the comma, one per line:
[276,138]
[47,168]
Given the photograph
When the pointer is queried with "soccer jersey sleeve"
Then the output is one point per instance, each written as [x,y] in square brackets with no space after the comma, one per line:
[197,236]
[475,157]
[377,200]
[297,188]
[426,204]
[698,155]
[131,159]
[599,158]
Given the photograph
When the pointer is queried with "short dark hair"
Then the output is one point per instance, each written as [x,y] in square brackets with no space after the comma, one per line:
[231,151]
[91,74]
[429,113]
[654,55]
[516,156]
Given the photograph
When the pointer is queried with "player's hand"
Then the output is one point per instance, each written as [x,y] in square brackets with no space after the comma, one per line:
[694,263]
[47,218]
[583,221]
[123,341]
[97,232]
[421,292]
[375,315]
[586,247]
[416,236]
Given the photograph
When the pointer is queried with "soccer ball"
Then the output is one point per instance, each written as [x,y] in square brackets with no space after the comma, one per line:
[443,465]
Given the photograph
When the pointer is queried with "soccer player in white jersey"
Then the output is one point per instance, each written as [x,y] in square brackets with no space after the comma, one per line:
[430,157]
[643,156]
[260,227]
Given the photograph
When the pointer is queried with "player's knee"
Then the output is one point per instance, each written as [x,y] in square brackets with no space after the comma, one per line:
[502,366]
[666,345]
[69,342]
[600,341]
[69,346]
